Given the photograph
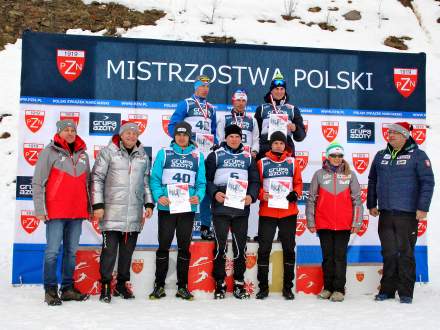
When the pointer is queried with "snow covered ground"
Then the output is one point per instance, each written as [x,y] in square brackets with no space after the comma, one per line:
[186,20]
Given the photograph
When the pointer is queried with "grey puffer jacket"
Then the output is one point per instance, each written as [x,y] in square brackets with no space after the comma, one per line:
[120,185]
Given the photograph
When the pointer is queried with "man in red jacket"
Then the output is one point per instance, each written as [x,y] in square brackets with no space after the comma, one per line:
[60,194]
[281,186]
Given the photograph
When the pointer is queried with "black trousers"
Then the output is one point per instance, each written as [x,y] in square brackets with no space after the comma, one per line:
[398,237]
[182,225]
[267,227]
[112,241]
[238,226]
[334,245]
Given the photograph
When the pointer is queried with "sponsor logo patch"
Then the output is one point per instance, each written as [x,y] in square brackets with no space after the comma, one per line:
[104,123]
[24,187]
[360,132]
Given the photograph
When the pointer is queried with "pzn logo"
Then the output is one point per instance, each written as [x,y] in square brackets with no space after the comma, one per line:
[34,119]
[70,63]
[361,161]
[330,130]
[31,151]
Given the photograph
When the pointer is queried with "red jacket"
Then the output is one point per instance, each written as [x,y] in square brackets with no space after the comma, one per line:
[60,182]
[297,185]
[334,199]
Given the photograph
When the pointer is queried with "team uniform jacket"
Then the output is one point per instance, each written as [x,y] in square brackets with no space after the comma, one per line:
[120,184]
[263,112]
[176,165]
[335,199]
[190,111]
[248,125]
[401,182]
[223,164]
[279,167]
[60,182]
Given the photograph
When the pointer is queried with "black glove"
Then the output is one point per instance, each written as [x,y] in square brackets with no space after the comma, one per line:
[215,147]
[292,197]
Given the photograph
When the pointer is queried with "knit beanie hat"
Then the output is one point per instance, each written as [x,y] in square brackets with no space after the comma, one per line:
[126,125]
[334,148]
[62,124]
[201,81]
[403,128]
[232,129]
[182,127]
[278,81]
[277,136]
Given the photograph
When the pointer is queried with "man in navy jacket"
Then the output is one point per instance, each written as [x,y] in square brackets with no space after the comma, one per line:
[400,188]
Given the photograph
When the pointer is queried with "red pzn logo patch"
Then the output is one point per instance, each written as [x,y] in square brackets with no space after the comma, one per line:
[423,224]
[361,161]
[140,120]
[360,276]
[330,130]
[418,133]
[165,122]
[251,259]
[74,116]
[34,119]
[70,63]
[29,222]
[303,159]
[31,151]
[364,227]
[364,192]
[301,224]
[96,150]
[405,81]
[137,265]
[385,131]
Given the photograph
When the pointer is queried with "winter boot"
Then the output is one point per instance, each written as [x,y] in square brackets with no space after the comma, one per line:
[122,290]
[337,296]
[158,292]
[288,294]
[106,291]
[239,291]
[406,300]
[383,296]
[51,297]
[183,293]
[325,294]
[205,233]
[220,290]
[263,293]
[72,293]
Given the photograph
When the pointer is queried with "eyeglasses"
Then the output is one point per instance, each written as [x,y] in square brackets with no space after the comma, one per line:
[279,83]
[336,156]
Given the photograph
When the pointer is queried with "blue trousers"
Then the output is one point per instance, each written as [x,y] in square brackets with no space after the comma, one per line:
[67,232]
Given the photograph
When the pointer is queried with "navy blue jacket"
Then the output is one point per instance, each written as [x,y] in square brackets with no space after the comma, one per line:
[401,182]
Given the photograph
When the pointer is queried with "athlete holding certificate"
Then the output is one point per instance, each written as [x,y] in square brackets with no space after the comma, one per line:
[178,185]
[232,179]
[280,176]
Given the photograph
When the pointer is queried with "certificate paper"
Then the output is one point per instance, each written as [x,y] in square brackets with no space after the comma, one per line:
[279,189]
[204,143]
[178,195]
[236,193]
[278,122]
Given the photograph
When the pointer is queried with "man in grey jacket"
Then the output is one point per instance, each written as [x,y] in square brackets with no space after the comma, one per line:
[120,190]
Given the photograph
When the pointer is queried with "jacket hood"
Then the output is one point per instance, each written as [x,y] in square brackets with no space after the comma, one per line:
[79,144]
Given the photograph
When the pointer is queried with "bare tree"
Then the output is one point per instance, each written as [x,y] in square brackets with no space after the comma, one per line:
[290,7]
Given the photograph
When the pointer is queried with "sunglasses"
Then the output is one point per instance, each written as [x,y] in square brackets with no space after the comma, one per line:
[279,83]
[204,79]
[336,156]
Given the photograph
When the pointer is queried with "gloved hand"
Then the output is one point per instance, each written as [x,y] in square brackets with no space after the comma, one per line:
[292,197]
